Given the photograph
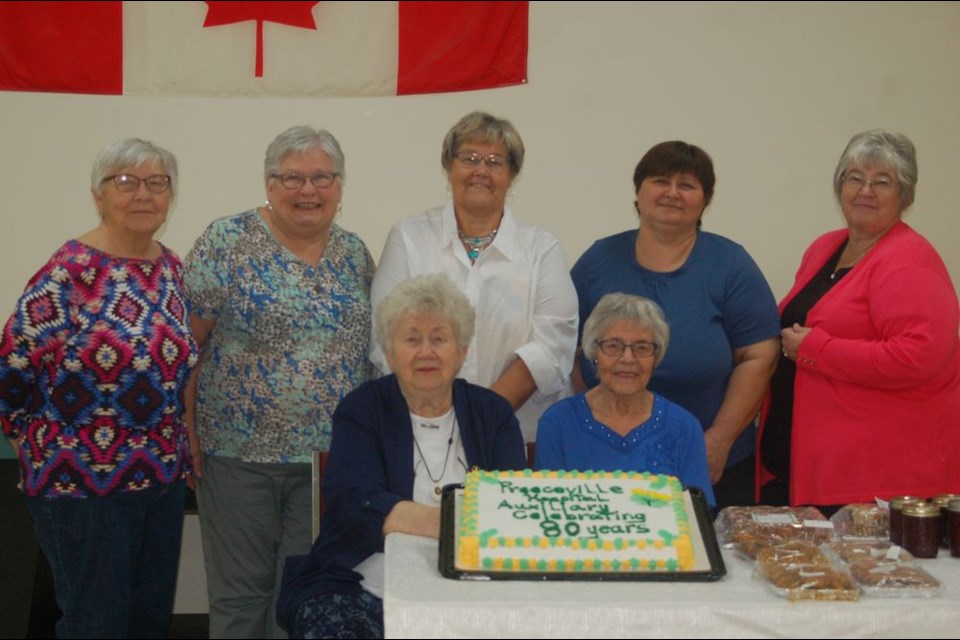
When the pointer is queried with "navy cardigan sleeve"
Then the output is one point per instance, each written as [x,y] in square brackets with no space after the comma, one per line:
[370,470]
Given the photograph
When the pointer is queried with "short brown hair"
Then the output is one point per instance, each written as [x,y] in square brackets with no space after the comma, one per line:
[673,157]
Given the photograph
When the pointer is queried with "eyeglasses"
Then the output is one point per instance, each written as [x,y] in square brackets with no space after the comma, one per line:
[127,183]
[294,180]
[494,161]
[615,347]
[879,185]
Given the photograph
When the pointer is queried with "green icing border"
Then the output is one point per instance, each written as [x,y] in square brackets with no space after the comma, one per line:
[469,524]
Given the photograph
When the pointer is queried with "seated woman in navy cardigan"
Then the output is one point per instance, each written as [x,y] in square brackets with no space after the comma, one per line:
[620,425]
[396,442]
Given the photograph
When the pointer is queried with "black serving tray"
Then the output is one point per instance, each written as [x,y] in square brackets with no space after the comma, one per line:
[701,511]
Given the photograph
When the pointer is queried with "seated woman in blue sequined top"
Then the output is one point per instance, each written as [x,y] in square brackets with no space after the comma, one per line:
[620,424]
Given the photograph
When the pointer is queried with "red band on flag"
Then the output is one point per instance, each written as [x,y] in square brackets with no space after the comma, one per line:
[459,46]
[67,47]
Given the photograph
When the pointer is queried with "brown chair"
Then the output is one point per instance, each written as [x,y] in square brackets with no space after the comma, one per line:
[319,502]
[531,454]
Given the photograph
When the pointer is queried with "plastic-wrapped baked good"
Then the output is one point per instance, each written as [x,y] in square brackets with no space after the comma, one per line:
[852,550]
[809,581]
[792,552]
[749,529]
[862,521]
[893,579]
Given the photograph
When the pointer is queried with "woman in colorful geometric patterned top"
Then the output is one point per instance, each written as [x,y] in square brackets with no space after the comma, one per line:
[280,302]
[93,365]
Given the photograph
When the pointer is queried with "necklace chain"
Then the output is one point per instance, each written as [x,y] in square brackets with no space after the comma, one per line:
[446,457]
[833,276]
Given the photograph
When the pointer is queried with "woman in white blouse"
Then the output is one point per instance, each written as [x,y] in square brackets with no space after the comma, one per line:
[514,274]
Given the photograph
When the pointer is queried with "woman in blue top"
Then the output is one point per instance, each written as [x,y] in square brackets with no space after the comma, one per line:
[620,424]
[721,311]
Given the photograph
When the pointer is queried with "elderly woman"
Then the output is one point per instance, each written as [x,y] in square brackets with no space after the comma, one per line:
[514,274]
[279,298]
[722,313]
[866,400]
[620,424]
[396,442]
[93,364]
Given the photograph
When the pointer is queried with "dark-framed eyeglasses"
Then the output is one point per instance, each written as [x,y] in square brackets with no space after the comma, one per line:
[127,183]
[614,348]
[295,180]
[494,161]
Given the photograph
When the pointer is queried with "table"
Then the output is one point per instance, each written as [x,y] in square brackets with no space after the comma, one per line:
[420,603]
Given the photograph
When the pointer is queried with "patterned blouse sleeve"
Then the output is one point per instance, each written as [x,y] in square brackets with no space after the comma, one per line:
[207,270]
[39,325]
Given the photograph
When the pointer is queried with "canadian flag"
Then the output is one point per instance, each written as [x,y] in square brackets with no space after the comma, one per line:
[262,48]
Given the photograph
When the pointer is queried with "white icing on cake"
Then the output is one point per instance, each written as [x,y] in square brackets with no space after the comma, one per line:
[573,521]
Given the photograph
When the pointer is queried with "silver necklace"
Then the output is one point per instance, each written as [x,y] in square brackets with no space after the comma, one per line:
[833,276]
[476,244]
[437,486]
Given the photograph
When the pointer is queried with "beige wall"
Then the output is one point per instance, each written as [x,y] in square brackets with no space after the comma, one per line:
[772,91]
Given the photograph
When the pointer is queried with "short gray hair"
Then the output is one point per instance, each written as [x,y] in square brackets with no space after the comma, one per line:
[622,306]
[483,127]
[434,293]
[132,152]
[303,139]
[889,151]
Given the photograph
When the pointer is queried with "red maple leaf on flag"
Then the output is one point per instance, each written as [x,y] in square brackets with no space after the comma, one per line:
[294,14]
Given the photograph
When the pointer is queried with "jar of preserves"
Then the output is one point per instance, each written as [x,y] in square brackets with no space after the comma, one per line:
[941,501]
[896,527]
[921,529]
[953,526]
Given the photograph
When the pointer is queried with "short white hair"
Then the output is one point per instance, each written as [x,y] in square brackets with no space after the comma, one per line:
[428,294]
[132,152]
[888,151]
[621,306]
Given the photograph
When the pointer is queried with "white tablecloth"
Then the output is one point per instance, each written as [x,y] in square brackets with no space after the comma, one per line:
[420,603]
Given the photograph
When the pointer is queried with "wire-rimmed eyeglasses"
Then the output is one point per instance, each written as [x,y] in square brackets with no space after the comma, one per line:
[614,348]
[127,183]
[494,161]
[294,180]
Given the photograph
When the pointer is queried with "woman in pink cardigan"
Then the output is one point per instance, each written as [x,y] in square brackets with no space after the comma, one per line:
[865,402]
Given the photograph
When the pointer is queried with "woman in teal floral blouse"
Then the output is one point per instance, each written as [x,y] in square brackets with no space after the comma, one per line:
[279,301]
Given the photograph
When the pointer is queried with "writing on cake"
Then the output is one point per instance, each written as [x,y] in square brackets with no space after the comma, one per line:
[573,521]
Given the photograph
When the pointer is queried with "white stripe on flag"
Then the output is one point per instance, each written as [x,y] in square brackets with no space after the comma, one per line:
[167,51]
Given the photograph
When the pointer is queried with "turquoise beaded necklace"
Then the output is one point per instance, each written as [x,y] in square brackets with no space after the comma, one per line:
[475,245]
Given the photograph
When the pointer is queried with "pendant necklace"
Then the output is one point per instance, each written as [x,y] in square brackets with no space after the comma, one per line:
[476,244]
[437,482]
